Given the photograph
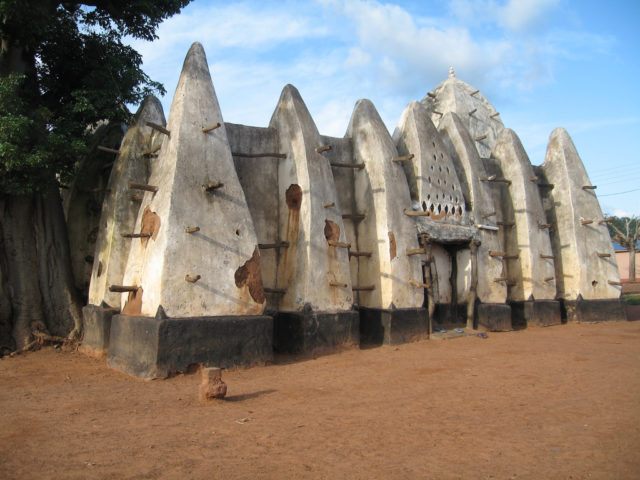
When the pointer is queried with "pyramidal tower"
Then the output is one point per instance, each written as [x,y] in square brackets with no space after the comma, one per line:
[193,270]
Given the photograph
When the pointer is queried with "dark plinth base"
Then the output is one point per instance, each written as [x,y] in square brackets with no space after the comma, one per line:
[536,313]
[610,310]
[315,332]
[495,317]
[96,322]
[154,347]
[392,327]
[448,317]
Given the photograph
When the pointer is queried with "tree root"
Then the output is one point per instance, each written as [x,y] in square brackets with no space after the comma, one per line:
[40,338]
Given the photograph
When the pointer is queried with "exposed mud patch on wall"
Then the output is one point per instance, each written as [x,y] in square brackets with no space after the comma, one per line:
[331,231]
[134,303]
[150,224]
[249,274]
[392,245]
[294,197]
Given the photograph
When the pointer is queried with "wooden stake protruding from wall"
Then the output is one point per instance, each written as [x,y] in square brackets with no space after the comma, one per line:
[323,148]
[259,155]
[192,229]
[438,113]
[404,158]
[136,235]
[605,220]
[542,226]
[108,150]
[418,284]
[365,288]
[493,115]
[617,284]
[191,279]
[589,187]
[416,213]
[496,254]
[431,94]
[415,251]
[473,111]
[474,92]
[328,204]
[333,243]
[211,127]
[159,128]
[548,257]
[347,165]
[548,279]
[338,284]
[479,138]
[500,279]
[512,257]
[123,288]
[266,246]
[142,186]
[586,222]
[604,255]
[150,151]
[212,186]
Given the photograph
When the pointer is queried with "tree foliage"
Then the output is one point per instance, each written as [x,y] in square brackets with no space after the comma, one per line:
[64,68]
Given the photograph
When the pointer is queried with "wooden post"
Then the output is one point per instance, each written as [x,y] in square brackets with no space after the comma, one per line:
[479,138]
[328,204]
[473,111]
[548,279]
[473,288]
[192,229]
[191,279]
[338,284]
[550,257]
[586,222]
[429,282]
[323,148]
[496,254]
[589,187]
[604,255]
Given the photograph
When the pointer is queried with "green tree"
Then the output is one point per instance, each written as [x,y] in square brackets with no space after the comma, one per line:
[64,69]
[626,232]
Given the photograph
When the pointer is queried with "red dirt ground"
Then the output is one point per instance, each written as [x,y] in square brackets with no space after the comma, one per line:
[547,403]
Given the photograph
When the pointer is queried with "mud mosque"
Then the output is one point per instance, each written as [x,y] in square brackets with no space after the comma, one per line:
[220,244]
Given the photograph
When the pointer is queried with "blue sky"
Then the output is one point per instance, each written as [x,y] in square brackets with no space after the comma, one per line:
[541,63]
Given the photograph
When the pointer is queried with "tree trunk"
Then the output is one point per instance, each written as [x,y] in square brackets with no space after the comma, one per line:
[632,262]
[38,279]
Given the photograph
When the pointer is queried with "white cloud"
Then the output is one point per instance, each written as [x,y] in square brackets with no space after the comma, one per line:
[525,15]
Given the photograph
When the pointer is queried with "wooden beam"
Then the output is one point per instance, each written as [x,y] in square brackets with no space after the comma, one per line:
[405,158]
[414,213]
[211,127]
[328,204]
[159,128]
[191,279]
[338,284]
[123,288]
[142,186]
[192,229]
[211,186]
[589,187]
[415,251]
[418,284]
[323,148]
[604,255]
[150,151]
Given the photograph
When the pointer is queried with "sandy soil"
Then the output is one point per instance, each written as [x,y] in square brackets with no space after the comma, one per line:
[549,403]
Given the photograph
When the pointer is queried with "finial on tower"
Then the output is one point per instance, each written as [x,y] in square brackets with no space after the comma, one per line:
[451,72]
